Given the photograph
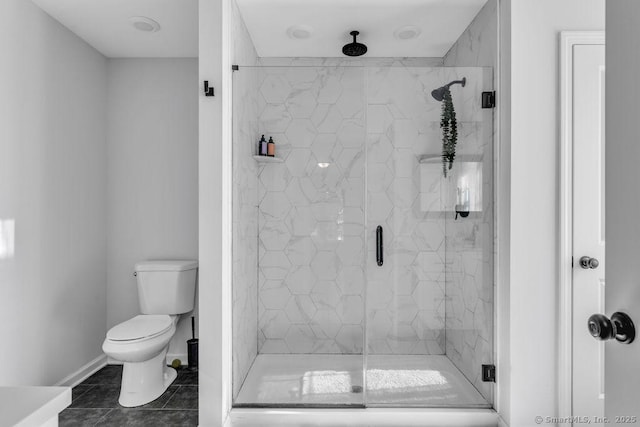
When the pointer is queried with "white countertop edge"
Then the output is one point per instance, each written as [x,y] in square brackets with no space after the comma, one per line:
[32,406]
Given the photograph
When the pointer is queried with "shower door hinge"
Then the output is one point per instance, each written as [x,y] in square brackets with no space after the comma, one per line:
[235,68]
[489,99]
[489,373]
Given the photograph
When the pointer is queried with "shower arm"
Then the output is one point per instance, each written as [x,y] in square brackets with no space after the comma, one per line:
[462,82]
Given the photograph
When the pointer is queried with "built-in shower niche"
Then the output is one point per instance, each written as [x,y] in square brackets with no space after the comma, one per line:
[460,190]
[312,308]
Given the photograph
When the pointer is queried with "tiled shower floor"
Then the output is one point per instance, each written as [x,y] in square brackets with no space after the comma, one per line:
[95,403]
[328,379]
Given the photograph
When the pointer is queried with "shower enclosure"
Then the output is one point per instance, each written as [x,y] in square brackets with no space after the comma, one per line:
[362,276]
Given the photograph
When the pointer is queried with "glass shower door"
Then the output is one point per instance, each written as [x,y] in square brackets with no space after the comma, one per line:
[424,311]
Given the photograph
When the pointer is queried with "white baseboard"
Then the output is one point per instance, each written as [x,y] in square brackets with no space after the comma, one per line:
[84,372]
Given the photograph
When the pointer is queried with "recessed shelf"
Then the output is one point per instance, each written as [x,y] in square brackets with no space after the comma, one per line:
[268,159]
[437,158]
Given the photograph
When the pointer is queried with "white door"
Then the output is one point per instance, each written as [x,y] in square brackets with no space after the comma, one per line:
[588,228]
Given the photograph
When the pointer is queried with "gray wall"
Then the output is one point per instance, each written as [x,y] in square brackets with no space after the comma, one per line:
[152,162]
[53,188]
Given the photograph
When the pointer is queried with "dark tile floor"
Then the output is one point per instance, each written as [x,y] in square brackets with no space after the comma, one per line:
[95,403]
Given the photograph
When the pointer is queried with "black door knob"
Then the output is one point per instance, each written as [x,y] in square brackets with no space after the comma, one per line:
[620,327]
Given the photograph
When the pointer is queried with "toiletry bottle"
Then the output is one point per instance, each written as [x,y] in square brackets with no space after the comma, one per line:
[271,147]
[262,147]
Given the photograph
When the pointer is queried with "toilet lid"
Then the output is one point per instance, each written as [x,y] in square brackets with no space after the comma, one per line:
[142,326]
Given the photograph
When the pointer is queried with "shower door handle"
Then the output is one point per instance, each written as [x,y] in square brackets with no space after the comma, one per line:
[379,246]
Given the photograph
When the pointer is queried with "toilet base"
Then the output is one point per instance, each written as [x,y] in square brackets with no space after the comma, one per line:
[144,382]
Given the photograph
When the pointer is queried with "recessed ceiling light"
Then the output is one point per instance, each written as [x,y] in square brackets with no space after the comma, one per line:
[407,33]
[145,24]
[299,32]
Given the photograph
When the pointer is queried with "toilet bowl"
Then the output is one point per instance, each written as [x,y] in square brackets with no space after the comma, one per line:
[141,343]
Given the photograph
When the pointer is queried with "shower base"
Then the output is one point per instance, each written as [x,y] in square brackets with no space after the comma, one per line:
[293,380]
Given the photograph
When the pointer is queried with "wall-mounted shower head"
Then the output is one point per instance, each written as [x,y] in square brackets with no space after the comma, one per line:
[438,94]
[354,48]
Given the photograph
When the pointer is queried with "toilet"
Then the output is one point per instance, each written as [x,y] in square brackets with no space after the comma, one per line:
[166,289]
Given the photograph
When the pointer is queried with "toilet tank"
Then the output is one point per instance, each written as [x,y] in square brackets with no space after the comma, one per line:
[166,287]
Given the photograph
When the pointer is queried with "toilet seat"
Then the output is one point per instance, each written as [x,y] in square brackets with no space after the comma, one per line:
[141,327]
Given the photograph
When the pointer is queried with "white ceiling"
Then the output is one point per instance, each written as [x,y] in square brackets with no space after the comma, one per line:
[104,24]
[441,23]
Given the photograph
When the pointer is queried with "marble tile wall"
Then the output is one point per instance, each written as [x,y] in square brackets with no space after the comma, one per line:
[477,46]
[471,243]
[245,207]
[311,217]
[327,121]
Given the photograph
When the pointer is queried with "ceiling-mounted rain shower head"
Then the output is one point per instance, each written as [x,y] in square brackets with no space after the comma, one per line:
[438,94]
[355,48]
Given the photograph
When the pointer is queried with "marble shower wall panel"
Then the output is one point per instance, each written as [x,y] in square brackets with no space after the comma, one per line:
[477,45]
[406,296]
[246,108]
[311,218]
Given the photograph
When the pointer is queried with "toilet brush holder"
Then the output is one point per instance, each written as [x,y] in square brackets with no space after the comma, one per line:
[192,354]
[192,348]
